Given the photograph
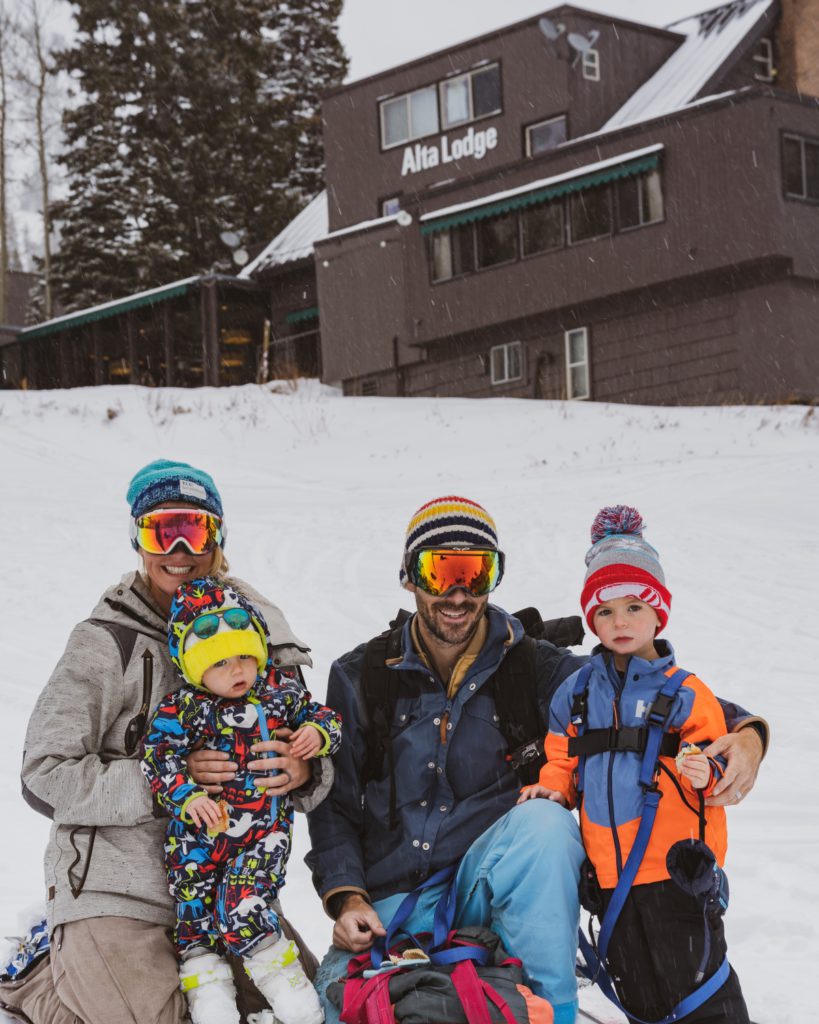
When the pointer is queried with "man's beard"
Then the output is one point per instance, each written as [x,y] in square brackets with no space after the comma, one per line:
[445,631]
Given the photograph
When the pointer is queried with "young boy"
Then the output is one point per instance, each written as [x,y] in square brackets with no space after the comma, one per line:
[666,940]
[226,859]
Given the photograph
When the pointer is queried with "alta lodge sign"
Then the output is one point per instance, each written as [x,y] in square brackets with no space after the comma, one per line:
[473,144]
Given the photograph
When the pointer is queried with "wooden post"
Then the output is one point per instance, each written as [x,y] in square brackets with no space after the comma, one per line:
[167,334]
[132,353]
[210,337]
[95,337]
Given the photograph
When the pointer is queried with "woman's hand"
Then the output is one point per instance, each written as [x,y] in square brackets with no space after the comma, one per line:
[211,768]
[357,925]
[743,752]
[292,772]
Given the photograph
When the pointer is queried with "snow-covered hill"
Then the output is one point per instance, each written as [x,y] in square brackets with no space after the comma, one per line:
[318,491]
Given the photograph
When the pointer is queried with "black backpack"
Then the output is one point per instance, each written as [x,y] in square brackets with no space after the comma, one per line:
[513,688]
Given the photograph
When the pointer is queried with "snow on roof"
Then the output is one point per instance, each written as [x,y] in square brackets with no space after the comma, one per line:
[710,39]
[296,241]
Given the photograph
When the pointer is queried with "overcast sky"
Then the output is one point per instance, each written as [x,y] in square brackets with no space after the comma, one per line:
[380,34]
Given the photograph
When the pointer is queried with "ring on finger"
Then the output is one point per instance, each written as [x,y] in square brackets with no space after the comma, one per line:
[284,771]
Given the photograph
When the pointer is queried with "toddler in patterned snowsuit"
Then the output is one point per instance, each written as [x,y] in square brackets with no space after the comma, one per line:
[226,861]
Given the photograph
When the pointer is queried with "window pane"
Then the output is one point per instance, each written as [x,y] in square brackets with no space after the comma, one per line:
[812,170]
[577,347]
[497,240]
[395,121]
[541,227]
[652,196]
[423,112]
[792,167]
[628,202]
[441,256]
[486,92]
[498,364]
[546,136]
[579,382]
[391,206]
[456,101]
[589,214]
[513,361]
[463,249]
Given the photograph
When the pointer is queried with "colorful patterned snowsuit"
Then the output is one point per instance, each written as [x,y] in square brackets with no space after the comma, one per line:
[223,884]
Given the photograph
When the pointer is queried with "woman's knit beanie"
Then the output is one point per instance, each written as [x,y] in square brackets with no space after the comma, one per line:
[162,481]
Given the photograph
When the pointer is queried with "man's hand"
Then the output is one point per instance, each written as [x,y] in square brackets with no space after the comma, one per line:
[357,925]
[743,752]
[211,768]
[292,772]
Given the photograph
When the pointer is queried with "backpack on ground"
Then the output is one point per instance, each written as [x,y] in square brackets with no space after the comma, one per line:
[461,976]
[513,687]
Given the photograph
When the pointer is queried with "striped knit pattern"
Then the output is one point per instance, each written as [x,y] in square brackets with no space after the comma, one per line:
[449,522]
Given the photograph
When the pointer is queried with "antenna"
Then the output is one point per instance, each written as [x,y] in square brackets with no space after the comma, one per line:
[550,29]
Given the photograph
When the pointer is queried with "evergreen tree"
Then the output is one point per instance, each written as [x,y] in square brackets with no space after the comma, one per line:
[195,117]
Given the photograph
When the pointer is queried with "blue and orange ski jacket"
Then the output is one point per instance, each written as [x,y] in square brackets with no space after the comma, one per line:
[612,799]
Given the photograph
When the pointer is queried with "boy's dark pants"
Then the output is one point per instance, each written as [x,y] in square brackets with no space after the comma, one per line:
[655,951]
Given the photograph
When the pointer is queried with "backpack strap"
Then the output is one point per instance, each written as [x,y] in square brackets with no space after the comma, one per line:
[514,690]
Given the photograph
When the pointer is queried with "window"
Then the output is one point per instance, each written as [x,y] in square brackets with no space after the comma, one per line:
[369,387]
[541,228]
[471,96]
[497,240]
[589,214]
[545,135]
[800,167]
[577,364]
[639,200]
[453,252]
[391,206]
[506,362]
[409,117]
[763,58]
[591,65]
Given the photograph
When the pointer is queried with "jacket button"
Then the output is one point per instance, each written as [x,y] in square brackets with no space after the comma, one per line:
[415,842]
[448,726]
[423,803]
[431,764]
[439,770]
[442,808]
[436,721]
[472,686]
[425,846]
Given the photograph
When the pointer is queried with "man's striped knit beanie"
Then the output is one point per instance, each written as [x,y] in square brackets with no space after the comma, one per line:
[449,522]
[621,564]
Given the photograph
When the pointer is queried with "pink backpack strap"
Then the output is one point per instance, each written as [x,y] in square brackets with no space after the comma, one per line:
[367,1002]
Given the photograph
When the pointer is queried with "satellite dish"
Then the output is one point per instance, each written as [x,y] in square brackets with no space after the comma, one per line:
[583,43]
[550,30]
[230,238]
[404,218]
[240,257]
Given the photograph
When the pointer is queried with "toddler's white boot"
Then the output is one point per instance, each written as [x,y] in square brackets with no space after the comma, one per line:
[207,981]
[278,974]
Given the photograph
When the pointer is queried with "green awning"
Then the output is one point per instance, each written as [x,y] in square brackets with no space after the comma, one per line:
[108,309]
[542,195]
[300,315]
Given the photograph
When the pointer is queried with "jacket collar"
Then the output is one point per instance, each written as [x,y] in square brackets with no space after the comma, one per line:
[602,658]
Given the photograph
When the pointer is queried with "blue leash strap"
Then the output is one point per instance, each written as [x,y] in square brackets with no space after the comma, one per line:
[265,734]
[382,945]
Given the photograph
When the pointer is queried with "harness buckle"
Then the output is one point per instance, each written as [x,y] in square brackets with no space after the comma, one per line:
[525,754]
[660,711]
[578,712]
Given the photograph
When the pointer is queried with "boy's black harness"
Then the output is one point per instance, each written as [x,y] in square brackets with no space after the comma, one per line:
[513,688]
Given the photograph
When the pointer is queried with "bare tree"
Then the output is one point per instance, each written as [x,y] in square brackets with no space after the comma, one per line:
[5,37]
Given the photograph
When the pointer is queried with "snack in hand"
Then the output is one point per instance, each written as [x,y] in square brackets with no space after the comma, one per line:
[224,819]
[684,752]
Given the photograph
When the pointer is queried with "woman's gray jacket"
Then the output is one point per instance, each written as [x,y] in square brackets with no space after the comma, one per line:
[104,856]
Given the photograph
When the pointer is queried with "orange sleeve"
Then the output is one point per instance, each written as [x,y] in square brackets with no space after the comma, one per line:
[559,771]
[705,723]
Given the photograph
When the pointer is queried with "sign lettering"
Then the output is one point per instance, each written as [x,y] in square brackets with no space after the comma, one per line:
[476,144]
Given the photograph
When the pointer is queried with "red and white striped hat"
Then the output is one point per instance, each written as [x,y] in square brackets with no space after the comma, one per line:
[621,564]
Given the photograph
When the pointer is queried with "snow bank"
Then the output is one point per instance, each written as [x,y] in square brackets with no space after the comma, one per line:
[318,491]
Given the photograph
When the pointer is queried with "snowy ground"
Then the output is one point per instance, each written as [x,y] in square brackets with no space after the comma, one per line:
[318,490]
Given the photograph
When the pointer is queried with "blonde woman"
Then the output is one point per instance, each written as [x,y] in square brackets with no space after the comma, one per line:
[108,907]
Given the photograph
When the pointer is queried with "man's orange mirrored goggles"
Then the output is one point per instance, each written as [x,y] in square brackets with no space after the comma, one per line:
[439,570]
[159,531]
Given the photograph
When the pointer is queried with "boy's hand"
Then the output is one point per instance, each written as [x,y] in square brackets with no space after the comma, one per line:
[696,769]
[305,742]
[204,811]
[532,792]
